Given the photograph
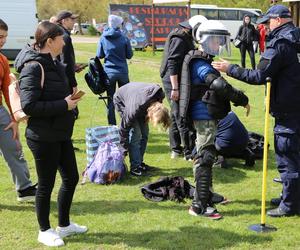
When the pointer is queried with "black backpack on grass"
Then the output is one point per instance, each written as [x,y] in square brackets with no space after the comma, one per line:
[168,188]
[174,189]
[96,78]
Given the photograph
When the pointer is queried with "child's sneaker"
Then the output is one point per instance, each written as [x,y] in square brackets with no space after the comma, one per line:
[50,238]
[73,228]
[210,212]
[136,171]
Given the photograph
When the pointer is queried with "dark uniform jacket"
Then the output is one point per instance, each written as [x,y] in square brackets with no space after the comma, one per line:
[132,101]
[281,62]
[68,58]
[49,119]
[178,44]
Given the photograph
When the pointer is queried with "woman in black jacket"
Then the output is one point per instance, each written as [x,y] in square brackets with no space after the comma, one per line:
[49,128]
[247,34]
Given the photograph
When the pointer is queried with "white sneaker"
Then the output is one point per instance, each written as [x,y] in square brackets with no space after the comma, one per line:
[73,228]
[175,155]
[50,238]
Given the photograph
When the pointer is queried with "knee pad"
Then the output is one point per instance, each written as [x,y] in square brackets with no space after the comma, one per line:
[206,157]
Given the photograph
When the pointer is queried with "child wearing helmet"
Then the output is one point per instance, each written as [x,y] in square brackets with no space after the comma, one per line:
[205,98]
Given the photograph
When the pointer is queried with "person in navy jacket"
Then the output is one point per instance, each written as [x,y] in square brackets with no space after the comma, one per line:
[232,140]
[281,62]
[115,48]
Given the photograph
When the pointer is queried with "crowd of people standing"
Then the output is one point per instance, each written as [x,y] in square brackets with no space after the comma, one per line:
[200,117]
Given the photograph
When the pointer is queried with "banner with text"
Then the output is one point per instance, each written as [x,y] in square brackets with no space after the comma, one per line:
[138,22]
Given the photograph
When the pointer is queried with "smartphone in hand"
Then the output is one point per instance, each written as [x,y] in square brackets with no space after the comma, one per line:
[79,67]
[77,95]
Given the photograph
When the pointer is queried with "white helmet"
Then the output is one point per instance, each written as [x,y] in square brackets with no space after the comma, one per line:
[213,37]
[196,20]
[193,22]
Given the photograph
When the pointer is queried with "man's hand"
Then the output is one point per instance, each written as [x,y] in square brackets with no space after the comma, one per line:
[14,126]
[221,65]
[174,95]
[247,107]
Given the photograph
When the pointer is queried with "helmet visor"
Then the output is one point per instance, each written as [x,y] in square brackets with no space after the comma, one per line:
[216,45]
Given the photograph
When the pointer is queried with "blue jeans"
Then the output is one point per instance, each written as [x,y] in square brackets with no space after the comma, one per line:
[138,138]
[121,79]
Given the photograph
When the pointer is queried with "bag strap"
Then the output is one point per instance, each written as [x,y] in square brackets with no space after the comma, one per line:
[43,72]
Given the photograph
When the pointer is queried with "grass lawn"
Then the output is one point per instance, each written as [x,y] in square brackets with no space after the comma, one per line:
[119,217]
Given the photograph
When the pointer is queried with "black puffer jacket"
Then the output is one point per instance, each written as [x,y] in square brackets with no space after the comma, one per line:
[49,119]
[247,33]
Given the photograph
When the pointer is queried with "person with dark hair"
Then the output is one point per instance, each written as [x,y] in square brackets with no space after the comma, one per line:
[10,145]
[66,20]
[49,128]
[281,63]
[115,48]
[138,104]
[247,34]
[179,42]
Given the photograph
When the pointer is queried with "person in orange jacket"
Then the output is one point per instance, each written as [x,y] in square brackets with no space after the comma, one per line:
[262,37]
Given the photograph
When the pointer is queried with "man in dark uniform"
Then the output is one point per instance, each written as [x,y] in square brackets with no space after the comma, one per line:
[281,62]
[178,44]
[66,19]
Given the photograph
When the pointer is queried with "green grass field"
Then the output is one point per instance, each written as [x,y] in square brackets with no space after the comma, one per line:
[119,217]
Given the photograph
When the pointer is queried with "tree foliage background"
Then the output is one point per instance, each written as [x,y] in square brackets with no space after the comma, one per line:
[99,9]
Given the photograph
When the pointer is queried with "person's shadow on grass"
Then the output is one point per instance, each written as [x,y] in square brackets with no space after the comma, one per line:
[187,237]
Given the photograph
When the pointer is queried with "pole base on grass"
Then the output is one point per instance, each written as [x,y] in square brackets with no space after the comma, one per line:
[262,228]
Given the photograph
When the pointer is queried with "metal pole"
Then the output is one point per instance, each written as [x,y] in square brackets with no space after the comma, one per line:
[153,43]
[189,10]
[263,227]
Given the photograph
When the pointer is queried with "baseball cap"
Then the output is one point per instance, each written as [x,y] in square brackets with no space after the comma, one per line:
[274,12]
[65,14]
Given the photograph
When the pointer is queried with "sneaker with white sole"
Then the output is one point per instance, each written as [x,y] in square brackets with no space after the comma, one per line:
[73,228]
[210,212]
[175,155]
[50,238]
[27,194]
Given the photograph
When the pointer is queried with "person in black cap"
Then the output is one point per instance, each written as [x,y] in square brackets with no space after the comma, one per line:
[178,44]
[281,62]
[66,19]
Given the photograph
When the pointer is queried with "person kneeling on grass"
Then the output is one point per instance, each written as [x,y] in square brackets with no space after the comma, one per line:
[138,104]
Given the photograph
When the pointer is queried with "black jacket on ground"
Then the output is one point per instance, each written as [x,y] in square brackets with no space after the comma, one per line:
[68,58]
[132,101]
[49,119]
[178,44]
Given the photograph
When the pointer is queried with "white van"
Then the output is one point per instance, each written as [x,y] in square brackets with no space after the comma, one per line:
[21,18]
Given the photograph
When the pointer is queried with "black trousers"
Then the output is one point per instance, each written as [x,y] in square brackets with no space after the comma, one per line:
[247,47]
[182,134]
[50,157]
[234,152]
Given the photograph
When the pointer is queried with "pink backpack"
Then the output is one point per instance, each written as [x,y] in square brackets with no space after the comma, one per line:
[14,96]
